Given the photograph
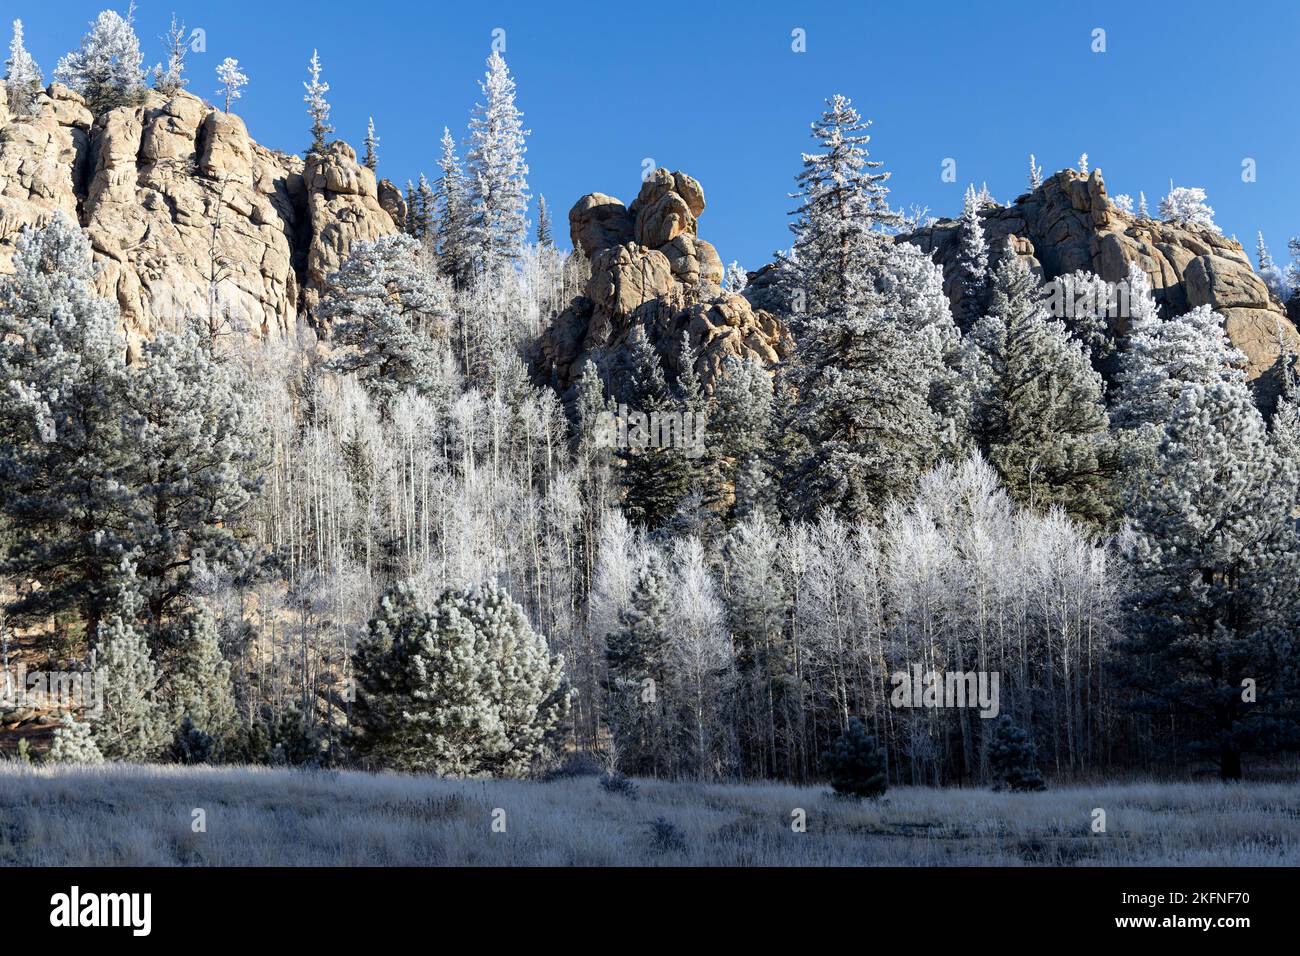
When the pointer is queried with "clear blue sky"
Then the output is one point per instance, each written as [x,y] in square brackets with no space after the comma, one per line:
[1185,90]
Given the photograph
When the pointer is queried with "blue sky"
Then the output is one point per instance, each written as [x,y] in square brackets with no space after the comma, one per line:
[1186,90]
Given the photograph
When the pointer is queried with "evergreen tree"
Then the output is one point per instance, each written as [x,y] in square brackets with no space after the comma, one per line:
[423,211]
[972,262]
[65,458]
[740,426]
[171,79]
[1142,205]
[74,743]
[371,141]
[199,688]
[467,687]
[636,654]
[107,70]
[544,239]
[317,106]
[870,347]
[132,725]
[1014,759]
[198,445]
[1035,173]
[1216,565]
[656,476]
[22,76]
[498,183]
[190,744]
[452,204]
[386,311]
[408,224]
[1040,416]
[856,763]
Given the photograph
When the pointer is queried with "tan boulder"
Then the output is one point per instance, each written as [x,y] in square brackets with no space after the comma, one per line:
[597,222]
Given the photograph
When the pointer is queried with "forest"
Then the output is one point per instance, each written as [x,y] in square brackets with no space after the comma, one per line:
[394,543]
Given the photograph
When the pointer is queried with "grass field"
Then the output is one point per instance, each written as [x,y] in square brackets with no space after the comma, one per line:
[143,816]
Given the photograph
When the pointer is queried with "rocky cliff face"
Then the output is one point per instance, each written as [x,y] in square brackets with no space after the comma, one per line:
[174,194]
[651,275]
[1068,224]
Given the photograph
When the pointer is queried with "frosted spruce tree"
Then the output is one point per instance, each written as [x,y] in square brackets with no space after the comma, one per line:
[198,685]
[872,336]
[74,742]
[452,204]
[386,310]
[972,261]
[1268,270]
[740,424]
[464,688]
[371,142]
[637,657]
[22,76]
[1041,420]
[1215,565]
[544,238]
[65,456]
[107,70]
[171,79]
[497,171]
[318,107]
[133,725]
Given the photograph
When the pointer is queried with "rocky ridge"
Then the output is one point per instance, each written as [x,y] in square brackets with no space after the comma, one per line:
[174,193]
[1069,223]
[651,275]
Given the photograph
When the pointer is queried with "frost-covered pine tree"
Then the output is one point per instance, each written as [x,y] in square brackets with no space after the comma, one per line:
[972,261]
[133,724]
[451,196]
[371,142]
[1083,163]
[1123,202]
[65,454]
[107,70]
[497,171]
[871,339]
[171,79]
[544,238]
[1142,205]
[1185,206]
[740,424]
[74,743]
[318,107]
[22,75]
[736,278]
[198,683]
[232,80]
[637,655]
[1159,359]
[386,310]
[199,444]
[463,688]
[1040,416]
[1216,565]
[1035,173]
[1269,271]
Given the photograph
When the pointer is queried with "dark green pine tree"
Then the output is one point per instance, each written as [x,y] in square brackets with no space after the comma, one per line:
[544,238]
[1040,418]
[408,225]
[1014,759]
[856,763]
[656,477]
[636,654]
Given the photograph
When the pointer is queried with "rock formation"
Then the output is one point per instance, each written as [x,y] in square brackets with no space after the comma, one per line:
[1068,224]
[174,194]
[651,275]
